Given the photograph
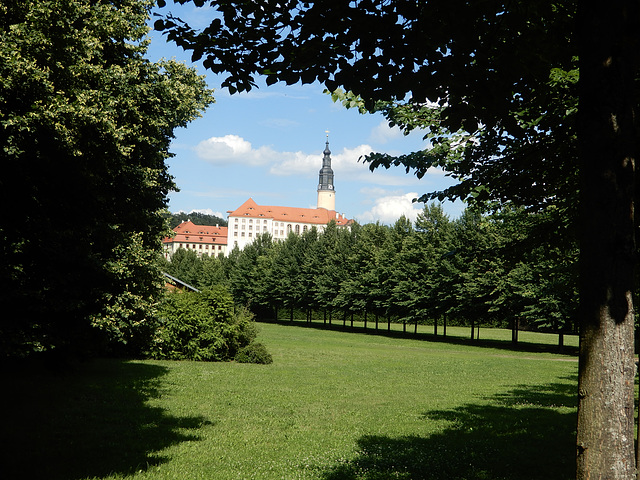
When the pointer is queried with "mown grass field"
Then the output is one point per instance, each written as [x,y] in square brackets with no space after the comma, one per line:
[334,405]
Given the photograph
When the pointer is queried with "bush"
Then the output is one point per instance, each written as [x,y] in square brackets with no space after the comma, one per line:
[254,353]
[201,326]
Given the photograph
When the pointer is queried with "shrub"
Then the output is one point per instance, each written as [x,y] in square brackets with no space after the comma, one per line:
[201,326]
[254,353]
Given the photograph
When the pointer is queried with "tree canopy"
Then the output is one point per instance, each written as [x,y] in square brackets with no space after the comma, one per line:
[85,127]
[524,101]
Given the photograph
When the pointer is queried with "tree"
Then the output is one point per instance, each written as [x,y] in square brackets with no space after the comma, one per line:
[435,233]
[197,218]
[186,266]
[85,128]
[201,326]
[495,83]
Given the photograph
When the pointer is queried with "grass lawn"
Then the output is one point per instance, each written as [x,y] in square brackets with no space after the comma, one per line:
[334,405]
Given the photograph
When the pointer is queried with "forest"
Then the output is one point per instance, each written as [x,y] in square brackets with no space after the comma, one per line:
[479,269]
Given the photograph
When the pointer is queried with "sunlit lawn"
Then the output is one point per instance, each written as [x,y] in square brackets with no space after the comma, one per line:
[333,405]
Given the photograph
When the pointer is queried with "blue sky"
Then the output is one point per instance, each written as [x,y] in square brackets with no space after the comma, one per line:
[267,144]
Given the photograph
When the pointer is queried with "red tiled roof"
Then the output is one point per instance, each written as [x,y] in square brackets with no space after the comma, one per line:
[318,216]
[188,232]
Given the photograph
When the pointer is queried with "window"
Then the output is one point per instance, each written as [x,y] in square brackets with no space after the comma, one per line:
[250,234]
[235,227]
[304,229]
[235,220]
[265,221]
[298,229]
[235,234]
[250,220]
[289,228]
[242,234]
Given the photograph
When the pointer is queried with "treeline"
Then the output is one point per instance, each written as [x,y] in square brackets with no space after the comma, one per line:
[510,269]
[197,218]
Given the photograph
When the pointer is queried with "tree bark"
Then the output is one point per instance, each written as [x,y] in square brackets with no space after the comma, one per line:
[444,325]
[607,39]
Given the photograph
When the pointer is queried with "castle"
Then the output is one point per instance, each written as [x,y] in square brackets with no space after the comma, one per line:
[250,220]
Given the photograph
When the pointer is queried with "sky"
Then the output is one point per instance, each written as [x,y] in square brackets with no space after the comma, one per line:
[268,144]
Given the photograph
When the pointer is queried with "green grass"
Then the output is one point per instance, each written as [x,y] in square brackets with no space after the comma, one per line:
[333,405]
[525,338]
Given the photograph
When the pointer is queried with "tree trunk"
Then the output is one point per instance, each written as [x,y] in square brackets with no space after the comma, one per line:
[291,315]
[608,46]
[365,319]
[324,319]
[444,325]
[388,323]
[473,327]
[435,326]
[377,320]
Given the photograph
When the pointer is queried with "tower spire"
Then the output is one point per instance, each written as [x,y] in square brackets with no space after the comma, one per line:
[326,192]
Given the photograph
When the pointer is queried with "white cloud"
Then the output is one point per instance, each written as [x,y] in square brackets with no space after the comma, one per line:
[383,133]
[346,163]
[208,211]
[233,149]
[389,207]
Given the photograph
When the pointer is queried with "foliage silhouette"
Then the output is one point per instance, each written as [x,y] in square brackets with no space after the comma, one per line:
[527,433]
[90,422]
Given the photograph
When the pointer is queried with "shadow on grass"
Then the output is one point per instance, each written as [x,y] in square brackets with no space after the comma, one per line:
[507,345]
[89,422]
[519,435]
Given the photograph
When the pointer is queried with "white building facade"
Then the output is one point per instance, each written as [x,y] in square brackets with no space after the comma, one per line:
[202,239]
[250,220]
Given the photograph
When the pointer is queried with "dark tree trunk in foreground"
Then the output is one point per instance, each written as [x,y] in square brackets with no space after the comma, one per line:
[607,141]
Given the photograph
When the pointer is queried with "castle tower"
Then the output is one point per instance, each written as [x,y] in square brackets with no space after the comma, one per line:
[326,192]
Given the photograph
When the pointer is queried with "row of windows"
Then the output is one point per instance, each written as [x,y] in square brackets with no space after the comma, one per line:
[206,247]
[244,220]
[264,228]
[305,228]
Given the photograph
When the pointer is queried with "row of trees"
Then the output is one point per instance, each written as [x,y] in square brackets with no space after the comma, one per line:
[197,218]
[477,269]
